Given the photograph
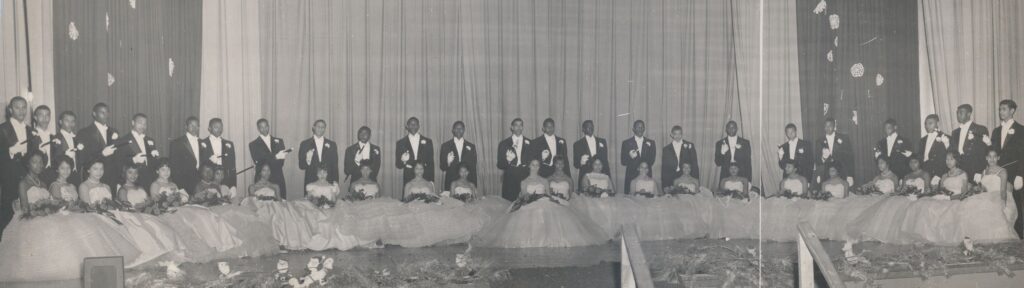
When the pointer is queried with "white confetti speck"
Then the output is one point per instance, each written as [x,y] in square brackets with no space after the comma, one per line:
[132,3]
[833,21]
[857,70]
[826,109]
[170,67]
[879,79]
[110,79]
[829,56]
[821,7]
[108,21]
[72,31]
[855,117]
[835,41]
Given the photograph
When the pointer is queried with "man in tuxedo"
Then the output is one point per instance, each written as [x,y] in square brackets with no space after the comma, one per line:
[733,150]
[414,148]
[138,149]
[43,139]
[215,150]
[586,150]
[99,142]
[934,147]
[513,161]
[185,157]
[1010,146]
[64,144]
[895,149]
[318,152]
[269,149]
[635,150]
[548,146]
[970,142]
[15,136]
[675,154]
[798,151]
[836,150]
[457,153]
[362,153]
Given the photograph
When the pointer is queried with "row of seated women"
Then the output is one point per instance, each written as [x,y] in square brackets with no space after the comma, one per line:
[549,213]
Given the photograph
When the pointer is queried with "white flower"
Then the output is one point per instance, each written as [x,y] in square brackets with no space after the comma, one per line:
[855,118]
[423,142]
[282,266]
[879,79]
[79,147]
[829,56]
[114,136]
[56,141]
[376,151]
[155,153]
[820,7]
[149,142]
[202,144]
[970,136]
[72,31]
[647,143]
[329,263]
[560,141]
[527,141]
[469,148]
[170,67]
[132,3]
[833,21]
[277,140]
[801,150]
[1010,132]
[738,146]
[460,260]
[110,79]
[327,145]
[173,272]
[857,70]
[600,145]
[899,141]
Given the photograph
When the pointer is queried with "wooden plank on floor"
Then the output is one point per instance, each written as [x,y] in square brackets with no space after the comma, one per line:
[633,261]
[808,241]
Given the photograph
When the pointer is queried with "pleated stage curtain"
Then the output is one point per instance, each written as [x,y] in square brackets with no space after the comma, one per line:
[970,54]
[869,77]
[26,64]
[142,58]
[376,63]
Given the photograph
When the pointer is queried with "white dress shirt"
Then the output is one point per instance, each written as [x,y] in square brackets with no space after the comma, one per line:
[216,146]
[929,140]
[459,142]
[517,144]
[678,147]
[792,148]
[731,140]
[364,151]
[591,144]
[103,132]
[1007,125]
[19,130]
[414,143]
[318,143]
[266,140]
[140,139]
[639,145]
[890,142]
[193,142]
[964,130]
[70,140]
[830,139]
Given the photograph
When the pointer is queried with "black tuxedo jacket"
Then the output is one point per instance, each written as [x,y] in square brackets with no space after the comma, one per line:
[842,157]
[742,157]
[547,165]
[468,160]
[671,166]
[93,144]
[1011,153]
[898,162]
[183,163]
[13,168]
[227,158]
[804,157]
[425,157]
[129,147]
[936,163]
[329,159]
[973,159]
[647,155]
[352,168]
[59,146]
[260,154]
[513,172]
[581,148]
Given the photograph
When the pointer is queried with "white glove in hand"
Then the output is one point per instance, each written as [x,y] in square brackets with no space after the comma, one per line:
[405,156]
[878,154]
[936,180]
[977,178]
[781,153]
[281,155]
[584,159]
[1018,183]
[987,140]
[633,154]
[907,153]
[849,180]
[139,158]
[725,148]
[451,157]
[826,153]
[309,157]
[214,159]
[109,150]
[509,156]
[545,154]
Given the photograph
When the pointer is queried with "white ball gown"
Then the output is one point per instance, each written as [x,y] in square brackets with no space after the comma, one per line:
[155,239]
[734,218]
[205,234]
[364,221]
[542,223]
[446,221]
[882,221]
[671,217]
[781,215]
[255,232]
[52,247]
[610,213]
[987,217]
[934,219]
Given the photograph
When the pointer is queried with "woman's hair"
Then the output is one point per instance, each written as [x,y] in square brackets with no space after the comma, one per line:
[161,163]
[65,159]
[260,167]
[559,158]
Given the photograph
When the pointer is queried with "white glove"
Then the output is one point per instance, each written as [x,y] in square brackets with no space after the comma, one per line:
[281,154]
[725,148]
[309,156]
[849,180]
[907,153]
[358,158]
[215,159]
[20,148]
[509,156]
[405,156]
[545,154]
[584,159]
[781,153]
[987,140]
[633,153]
[826,153]
[936,180]
[109,150]
[139,158]
[977,178]
[451,157]
[818,180]
[1018,183]
[232,192]
[877,154]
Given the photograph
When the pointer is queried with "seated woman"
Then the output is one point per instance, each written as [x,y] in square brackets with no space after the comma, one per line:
[361,221]
[92,191]
[835,184]
[989,215]
[793,182]
[262,189]
[735,219]
[881,221]
[256,233]
[60,188]
[562,185]
[917,178]
[295,222]
[825,216]
[780,214]
[688,182]
[541,223]
[486,208]
[366,186]
[935,219]
[225,191]
[207,187]
[204,234]
[666,218]
[886,181]
[155,239]
[430,222]
[609,210]
[52,247]
[734,183]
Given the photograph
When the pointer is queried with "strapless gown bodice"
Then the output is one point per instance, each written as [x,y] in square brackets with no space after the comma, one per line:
[560,187]
[322,191]
[954,184]
[136,196]
[535,188]
[733,186]
[97,194]
[835,189]
[370,190]
[36,194]
[646,185]
[599,180]
[794,186]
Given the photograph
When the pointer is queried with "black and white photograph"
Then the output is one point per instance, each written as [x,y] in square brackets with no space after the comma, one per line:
[512,143]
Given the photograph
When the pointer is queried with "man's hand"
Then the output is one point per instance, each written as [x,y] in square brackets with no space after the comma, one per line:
[907,153]
[109,150]
[406,156]
[826,153]
[309,156]
[509,156]
[936,180]
[215,159]
[781,153]
[725,148]
[1018,183]
[139,158]
[281,154]
[633,153]
[585,158]
[451,157]
[545,154]
[849,180]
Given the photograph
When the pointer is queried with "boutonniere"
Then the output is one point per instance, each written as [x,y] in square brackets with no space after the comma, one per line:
[898,141]
[156,154]
[1010,132]
[277,140]
[560,141]
[34,133]
[149,142]
[801,150]
[527,141]
[648,143]
[202,144]
[469,148]
[970,135]
[114,136]
[600,145]
[738,146]
[687,145]
[423,142]
[56,141]
[228,144]
[327,145]
[840,140]
[376,151]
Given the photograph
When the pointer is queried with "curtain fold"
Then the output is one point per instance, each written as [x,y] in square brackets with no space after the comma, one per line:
[781,103]
[14,69]
[376,63]
[970,54]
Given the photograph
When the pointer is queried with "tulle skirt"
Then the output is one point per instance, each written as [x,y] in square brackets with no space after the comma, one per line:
[293,223]
[354,224]
[52,247]
[734,218]
[256,233]
[447,221]
[931,220]
[831,219]
[882,221]
[542,223]
[982,217]
[205,235]
[490,208]
[154,238]
[780,217]
[672,217]
[609,213]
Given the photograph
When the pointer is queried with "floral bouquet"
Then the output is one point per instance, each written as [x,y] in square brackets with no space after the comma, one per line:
[597,192]
[209,198]
[266,198]
[522,201]
[161,204]
[908,190]
[464,197]
[322,202]
[971,191]
[679,190]
[820,195]
[425,197]
[644,193]
[358,195]
[110,204]
[44,207]
[735,194]
[789,194]
[866,190]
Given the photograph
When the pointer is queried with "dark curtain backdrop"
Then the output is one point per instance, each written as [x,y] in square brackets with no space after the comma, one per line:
[376,63]
[134,48]
[882,36]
